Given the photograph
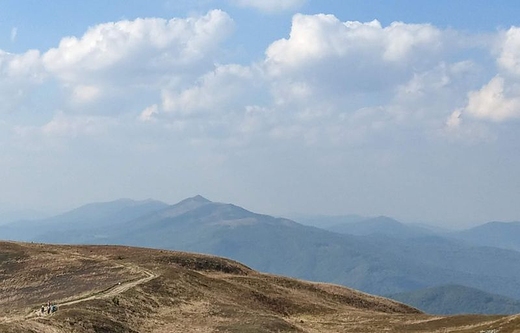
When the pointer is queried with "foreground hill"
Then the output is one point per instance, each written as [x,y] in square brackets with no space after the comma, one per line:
[123,289]
[453,299]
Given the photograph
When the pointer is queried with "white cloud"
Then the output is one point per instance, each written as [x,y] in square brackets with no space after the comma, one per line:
[341,66]
[26,65]
[85,93]
[19,74]
[149,113]
[132,51]
[320,39]
[143,44]
[509,57]
[63,125]
[495,101]
[226,88]
[468,131]
[431,95]
[271,5]
[329,80]
[346,80]
[404,41]
[454,119]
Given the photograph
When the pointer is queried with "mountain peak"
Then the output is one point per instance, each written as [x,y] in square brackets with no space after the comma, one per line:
[187,205]
[199,198]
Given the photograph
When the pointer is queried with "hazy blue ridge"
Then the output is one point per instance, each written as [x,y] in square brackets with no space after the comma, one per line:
[377,263]
[94,216]
[380,225]
[497,234]
[457,299]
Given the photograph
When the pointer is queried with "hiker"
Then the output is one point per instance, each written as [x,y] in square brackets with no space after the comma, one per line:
[49,309]
[42,310]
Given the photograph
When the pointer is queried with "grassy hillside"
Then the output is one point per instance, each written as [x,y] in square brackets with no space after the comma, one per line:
[123,289]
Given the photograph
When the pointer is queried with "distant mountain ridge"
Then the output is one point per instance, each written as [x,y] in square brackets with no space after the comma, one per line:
[325,221]
[457,299]
[89,216]
[376,263]
[381,225]
[505,235]
[10,216]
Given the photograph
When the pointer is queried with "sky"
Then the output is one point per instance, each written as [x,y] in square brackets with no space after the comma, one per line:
[409,109]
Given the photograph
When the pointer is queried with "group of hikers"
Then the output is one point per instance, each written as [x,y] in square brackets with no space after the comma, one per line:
[50,308]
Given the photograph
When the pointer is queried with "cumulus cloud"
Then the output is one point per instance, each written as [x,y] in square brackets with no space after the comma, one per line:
[63,125]
[84,93]
[271,5]
[226,88]
[454,119]
[329,80]
[133,51]
[24,66]
[495,101]
[468,131]
[431,95]
[158,42]
[509,51]
[149,113]
[499,99]
[346,63]
[318,38]
[356,78]
[19,74]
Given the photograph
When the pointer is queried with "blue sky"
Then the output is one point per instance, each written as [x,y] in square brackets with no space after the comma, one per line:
[402,108]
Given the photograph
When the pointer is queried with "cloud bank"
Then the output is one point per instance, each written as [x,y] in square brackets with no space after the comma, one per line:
[329,81]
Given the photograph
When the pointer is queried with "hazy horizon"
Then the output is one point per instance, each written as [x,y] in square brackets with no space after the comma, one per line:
[405,109]
[8,216]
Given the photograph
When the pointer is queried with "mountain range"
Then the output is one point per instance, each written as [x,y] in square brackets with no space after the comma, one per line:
[392,258]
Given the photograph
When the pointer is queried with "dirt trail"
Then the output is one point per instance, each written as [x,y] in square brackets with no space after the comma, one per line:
[107,293]
[114,290]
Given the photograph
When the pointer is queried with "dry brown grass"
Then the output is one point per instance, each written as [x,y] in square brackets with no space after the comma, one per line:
[164,291]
